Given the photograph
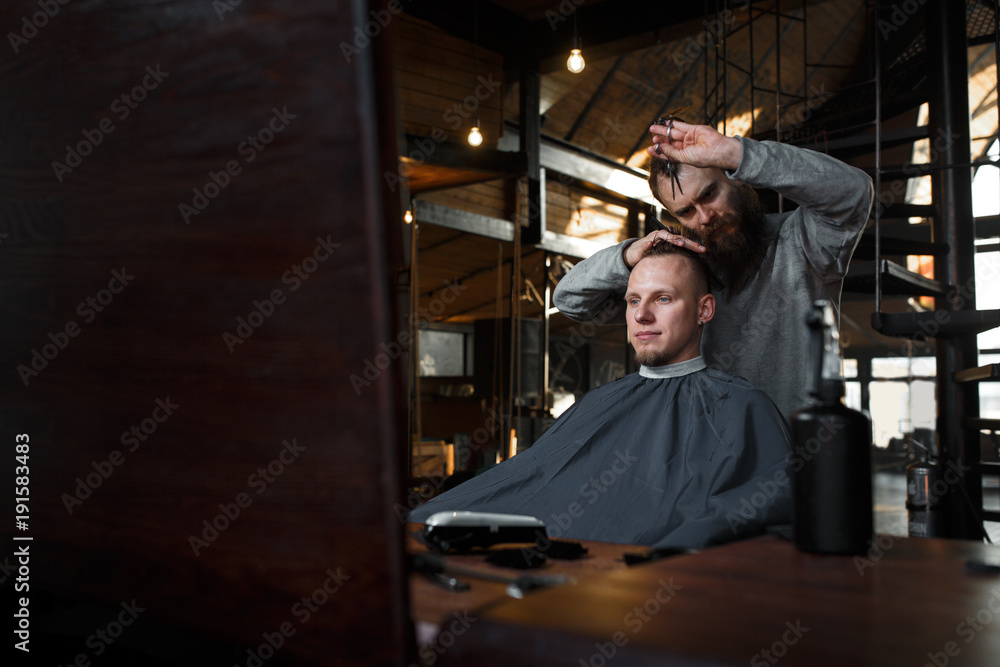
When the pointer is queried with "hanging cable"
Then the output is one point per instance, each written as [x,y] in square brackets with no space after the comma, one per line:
[496,393]
[513,404]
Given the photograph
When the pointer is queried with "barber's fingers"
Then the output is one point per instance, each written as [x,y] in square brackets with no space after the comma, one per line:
[635,250]
[684,242]
[689,244]
[675,131]
[663,149]
[663,235]
[696,145]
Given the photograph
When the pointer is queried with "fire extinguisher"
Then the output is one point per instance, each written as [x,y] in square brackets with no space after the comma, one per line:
[924,497]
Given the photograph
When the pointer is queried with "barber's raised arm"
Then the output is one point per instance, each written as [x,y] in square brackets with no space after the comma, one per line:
[841,194]
[594,290]
[837,193]
[834,198]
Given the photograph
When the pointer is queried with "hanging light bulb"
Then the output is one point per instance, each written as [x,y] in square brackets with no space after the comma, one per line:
[475,136]
[408,217]
[575,63]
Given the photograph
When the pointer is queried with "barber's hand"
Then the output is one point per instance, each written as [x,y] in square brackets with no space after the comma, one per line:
[633,253]
[696,145]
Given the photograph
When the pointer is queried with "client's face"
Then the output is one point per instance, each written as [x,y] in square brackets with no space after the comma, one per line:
[662,311]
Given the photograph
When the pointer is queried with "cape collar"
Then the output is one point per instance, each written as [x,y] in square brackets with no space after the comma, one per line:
[673,370]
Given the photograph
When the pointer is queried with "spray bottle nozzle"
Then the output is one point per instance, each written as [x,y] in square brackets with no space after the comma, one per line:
[827,384]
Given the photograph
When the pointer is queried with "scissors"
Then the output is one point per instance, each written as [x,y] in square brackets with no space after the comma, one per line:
[671,168]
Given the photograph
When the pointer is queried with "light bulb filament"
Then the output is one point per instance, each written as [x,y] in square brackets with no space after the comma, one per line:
[475,136]
[575,63]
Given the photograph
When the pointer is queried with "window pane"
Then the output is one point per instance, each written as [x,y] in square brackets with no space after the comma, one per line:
[850,367]
[987,296]
[852,395]
[898,408]
[901,367]
[442,353]
[989,392]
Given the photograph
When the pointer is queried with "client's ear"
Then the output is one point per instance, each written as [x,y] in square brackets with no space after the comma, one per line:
[706,308]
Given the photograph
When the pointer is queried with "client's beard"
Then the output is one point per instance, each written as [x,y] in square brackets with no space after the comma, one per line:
[734,245]
[653,359]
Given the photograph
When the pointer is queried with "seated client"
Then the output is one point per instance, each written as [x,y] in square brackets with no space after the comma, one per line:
[675,455]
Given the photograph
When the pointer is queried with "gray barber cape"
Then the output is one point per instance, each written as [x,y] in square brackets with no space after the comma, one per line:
[679,455]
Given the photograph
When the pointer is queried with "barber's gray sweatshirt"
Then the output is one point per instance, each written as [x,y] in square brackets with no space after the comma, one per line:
[760,333]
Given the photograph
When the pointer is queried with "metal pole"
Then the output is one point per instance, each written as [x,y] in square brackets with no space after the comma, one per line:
[415,423]
[878,162]
[950,137]
[545,335]
[753,88]
[805,54]
[725,81]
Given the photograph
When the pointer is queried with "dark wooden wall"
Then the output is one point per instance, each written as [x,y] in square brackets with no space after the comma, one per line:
[224,69]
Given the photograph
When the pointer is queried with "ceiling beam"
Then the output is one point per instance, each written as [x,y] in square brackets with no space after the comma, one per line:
[562,244]
[460,156]
[464,221]
[620,180]
[606,29]
[599,171]
[610,29]
[502,230]
[490,26]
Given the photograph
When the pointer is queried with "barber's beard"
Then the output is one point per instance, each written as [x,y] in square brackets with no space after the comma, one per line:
[735,245]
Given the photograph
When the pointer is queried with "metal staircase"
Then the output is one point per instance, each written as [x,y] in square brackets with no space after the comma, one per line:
[923,59]
[954,323]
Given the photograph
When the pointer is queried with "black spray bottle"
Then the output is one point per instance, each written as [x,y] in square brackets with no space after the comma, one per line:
[830,461]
